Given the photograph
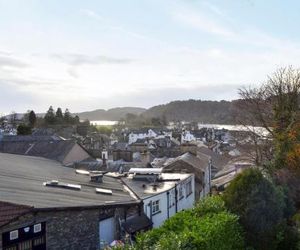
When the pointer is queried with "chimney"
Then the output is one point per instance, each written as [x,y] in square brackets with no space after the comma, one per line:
[104,160]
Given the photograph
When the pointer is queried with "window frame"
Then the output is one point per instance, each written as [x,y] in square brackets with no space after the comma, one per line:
[155,207]
[188,188]
[180,192]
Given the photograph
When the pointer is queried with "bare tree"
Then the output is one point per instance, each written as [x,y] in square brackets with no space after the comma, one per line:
[274,106]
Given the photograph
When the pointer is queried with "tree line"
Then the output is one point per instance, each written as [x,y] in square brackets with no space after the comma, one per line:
[50,119]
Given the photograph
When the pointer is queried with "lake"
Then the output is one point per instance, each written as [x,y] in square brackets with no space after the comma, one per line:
[104,123]
[258,130]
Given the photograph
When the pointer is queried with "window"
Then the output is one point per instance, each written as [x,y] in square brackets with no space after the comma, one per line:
[180,192]
[39,241]
[188,188]
[14,235]
[171,198]
[25,245]
[155,207]
[37,228]
[11,248]
[31,237]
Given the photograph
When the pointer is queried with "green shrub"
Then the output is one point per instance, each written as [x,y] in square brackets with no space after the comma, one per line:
[261,206]
[207,226]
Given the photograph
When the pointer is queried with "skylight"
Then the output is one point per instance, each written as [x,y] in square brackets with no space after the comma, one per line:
[56,183]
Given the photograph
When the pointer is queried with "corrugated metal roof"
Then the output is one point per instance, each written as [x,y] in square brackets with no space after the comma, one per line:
[22,177]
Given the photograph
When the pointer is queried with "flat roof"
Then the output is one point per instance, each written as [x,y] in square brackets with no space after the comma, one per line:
[144,188]
[22,178]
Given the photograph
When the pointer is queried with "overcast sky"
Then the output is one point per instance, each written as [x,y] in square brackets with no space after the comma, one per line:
[94,54]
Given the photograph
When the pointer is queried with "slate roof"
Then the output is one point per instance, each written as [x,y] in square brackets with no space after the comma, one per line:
[137,223]
[218,161]
[194,161]
[120,146]
[30,138]
[50,149]
[10,211]
[22,177]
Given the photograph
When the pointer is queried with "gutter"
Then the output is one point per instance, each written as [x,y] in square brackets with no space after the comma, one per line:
[108,205]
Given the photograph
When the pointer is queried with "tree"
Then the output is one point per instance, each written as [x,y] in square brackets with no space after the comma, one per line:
[13,118]
[50,116]
[23,129]
[67,117]
[276,106]
[261,206]
[207,226]
[59,115]
[32,119]
[76,119]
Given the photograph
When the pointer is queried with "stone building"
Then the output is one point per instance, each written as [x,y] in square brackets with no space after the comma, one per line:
[199,165]
[44,205]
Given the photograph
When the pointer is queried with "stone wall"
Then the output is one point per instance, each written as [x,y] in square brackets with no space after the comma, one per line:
[72,229]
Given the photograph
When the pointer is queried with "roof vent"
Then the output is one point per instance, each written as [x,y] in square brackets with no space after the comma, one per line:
[103,191]
[80,171]
[145,171]
[55,183]
[97,178]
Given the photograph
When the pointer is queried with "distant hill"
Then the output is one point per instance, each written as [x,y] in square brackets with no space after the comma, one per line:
[195,110]
[113,114]
[221,112]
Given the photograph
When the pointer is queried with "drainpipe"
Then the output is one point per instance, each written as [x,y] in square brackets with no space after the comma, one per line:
[176,199]
[168,198]
[209,170]
[150,205]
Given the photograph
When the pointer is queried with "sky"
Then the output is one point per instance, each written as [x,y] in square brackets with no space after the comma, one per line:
[92,54]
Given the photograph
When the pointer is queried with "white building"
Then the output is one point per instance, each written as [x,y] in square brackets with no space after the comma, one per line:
[186,136]
[163,194]
[133,137]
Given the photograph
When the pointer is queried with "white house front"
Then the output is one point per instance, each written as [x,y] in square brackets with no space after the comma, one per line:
[133,137]
[165,196]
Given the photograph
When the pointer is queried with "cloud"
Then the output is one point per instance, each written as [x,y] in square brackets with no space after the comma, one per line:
[5,53]
[8,61]
[215,21]
[73,73]
[111,25]
[214,8]
[92,14]
[200,21]
[148,97]
[81,59]
[22,100]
